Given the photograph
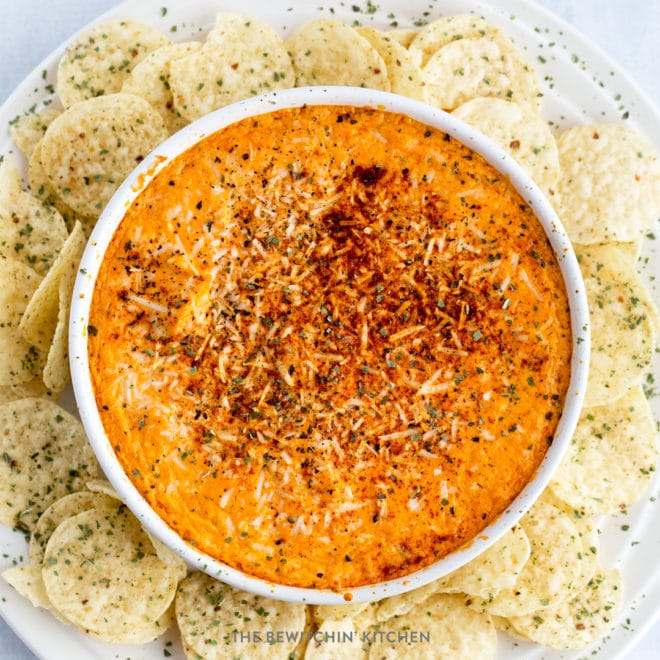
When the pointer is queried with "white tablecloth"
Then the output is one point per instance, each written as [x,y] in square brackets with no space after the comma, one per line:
[628,30]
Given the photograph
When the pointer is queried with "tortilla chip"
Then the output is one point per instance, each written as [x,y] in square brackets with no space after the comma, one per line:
[99,60]
[609,185]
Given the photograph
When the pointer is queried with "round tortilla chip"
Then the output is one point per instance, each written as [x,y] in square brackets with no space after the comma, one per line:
[455,631]
[552,574]
[30,230]
[609,185]
[40,319]
[20,360]
[41,187]
[28,130]
[241,57]
[496,568]
[403,71]
[212,615]
[150,79]
[45,455]
[622,325]
[611,458]
[446,29]
[90,149]
[102,573]
[580,621]
[66,507]
[100,59]
[326,52]
[519,131]
[486,66]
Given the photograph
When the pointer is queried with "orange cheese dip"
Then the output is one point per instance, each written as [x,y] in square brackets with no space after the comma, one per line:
[329,345]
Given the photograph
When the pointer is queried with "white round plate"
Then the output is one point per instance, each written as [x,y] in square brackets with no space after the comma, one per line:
[581,85]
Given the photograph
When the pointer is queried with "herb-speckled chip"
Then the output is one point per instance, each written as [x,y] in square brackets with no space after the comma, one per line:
[212,615]
[521,132]
[403,71]
[102,573]
[611,458]
[485,66]
[622,325]
[327,52]
[579,622]
[90,149]
[20,360]
[45,455]
[496,568]
[552,574]
[99,60]
[241,57]
[456,632]
[446,29]
[151,80]
[66,507]
[609,185]
[28,129]
[40,319]
[30,230]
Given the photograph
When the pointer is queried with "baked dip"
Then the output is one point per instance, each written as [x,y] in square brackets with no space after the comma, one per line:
[329,345]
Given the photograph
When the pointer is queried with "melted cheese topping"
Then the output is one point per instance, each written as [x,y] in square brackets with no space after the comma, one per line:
[329,345]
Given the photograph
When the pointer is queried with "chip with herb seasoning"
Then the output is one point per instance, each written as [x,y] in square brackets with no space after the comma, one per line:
[99,59]
[218,621]
[327,52]
[20,360]
[427,41]
[41,187]
[521,132]
[28,130]
[241,57]
[497,568]
[40,320]
[623,331]
[151,80]
[552,574]
[611,458]
[45,455]
[609,185]
[403,70]
[30,230]
[66,507]
[454,630]
[474,67]
[89,149]
[102,573]
[578,622]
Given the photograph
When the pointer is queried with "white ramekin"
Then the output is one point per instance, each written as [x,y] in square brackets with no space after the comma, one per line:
[140,178]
